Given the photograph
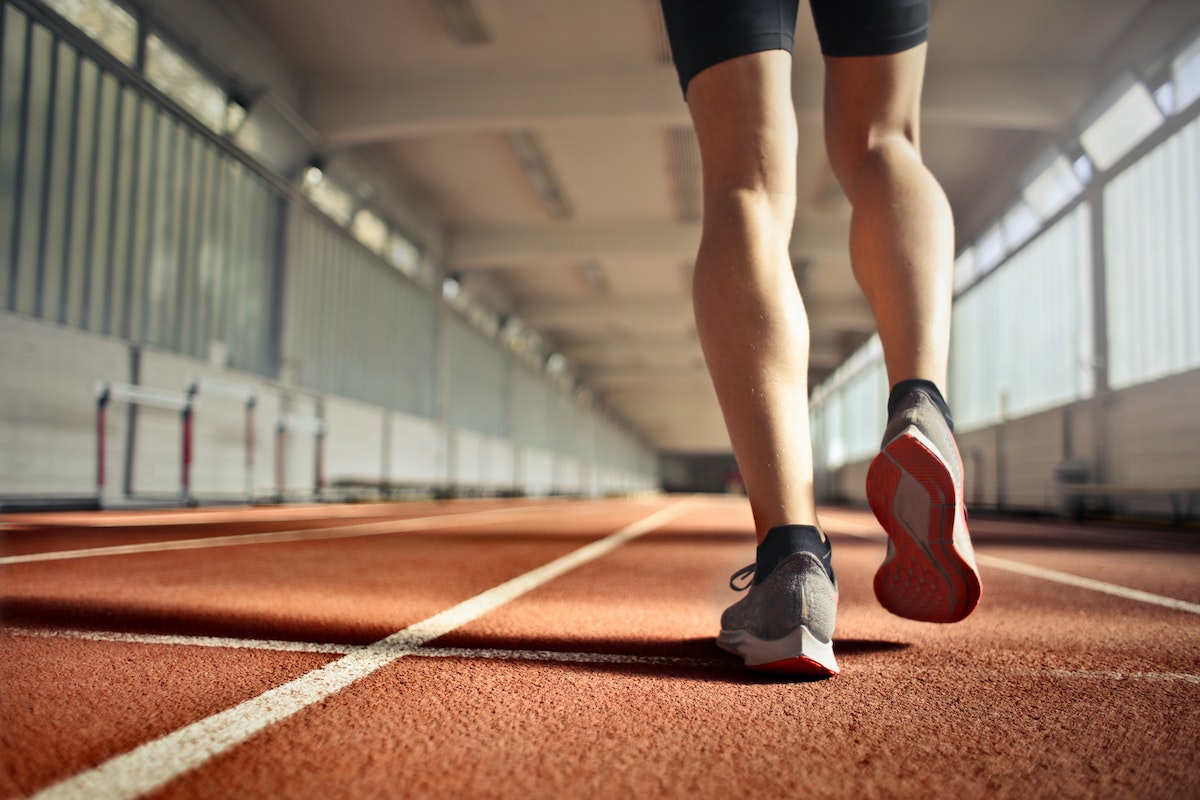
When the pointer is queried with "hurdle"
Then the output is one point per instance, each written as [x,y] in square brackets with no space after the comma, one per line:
[248,396]
[300,424]
[131,394]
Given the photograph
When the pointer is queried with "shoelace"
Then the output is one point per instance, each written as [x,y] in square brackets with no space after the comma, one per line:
[742,574]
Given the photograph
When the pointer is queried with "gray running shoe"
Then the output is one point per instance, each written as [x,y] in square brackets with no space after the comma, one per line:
[915,488]
[785,622]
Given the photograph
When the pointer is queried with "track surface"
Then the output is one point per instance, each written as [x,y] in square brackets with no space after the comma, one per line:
[523,649]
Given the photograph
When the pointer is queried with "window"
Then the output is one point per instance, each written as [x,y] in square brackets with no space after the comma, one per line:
[403,255]
[330,198]
[1121,125]
[1020,224]
[105,21]
[990,249]
[186,84]
[964,269]
[1053,187]
[1185,76]
[370,230]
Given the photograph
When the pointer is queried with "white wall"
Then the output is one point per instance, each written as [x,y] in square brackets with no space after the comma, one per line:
[1143,436]
[48,444]
[48,376]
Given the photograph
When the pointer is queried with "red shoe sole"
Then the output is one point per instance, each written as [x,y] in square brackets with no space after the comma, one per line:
[927,577]
[796,666]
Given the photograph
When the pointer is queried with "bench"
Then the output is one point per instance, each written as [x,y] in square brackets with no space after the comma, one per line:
[1185,500]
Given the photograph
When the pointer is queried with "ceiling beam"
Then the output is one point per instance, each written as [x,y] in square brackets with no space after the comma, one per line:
[1022,98]
[677,308]
[634,352]
[358,113]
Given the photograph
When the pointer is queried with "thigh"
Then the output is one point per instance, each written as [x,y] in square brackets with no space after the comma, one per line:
[870,27]
[704,33]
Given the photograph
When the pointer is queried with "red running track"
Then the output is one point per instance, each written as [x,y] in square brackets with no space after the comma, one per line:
[525,649]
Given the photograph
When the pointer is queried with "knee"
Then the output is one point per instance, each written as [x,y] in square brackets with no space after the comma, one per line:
[876,154]
[759,207]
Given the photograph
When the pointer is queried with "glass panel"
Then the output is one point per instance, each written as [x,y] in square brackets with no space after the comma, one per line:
[330,198]
[403,255]
[78,260]
[186,84]
[141,224]
[1129,120]
[55,233]
[32,173]
[1022,338]
[160,270]
[370,230]
[189,193]
[126,154]
[1152,253]
[105,21]
[1053,188]
[209,260]
[1020,224]
[12,81]
[101,190]
[1185,74]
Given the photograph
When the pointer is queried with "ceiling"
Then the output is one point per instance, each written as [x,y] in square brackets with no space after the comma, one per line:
[452,97]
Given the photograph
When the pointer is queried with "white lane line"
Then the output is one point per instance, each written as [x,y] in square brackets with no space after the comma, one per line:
[852,528]
[284,646]
[275,645]
[548,656]
[1113,675]
[382,528]
[1068,579]
[158,762]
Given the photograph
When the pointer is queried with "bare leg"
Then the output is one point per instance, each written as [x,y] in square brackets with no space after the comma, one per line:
[749,314]
[901,231]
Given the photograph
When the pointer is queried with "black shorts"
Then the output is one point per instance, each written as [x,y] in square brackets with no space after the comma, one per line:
[707,32]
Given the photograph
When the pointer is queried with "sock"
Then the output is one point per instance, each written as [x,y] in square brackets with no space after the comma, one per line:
[787,540]
[902,389]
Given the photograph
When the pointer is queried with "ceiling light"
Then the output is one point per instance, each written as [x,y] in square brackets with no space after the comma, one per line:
[315,172]
[528,151]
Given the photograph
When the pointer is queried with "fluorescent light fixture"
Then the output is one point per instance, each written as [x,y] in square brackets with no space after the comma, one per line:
[315,172]
[528,151]
[1121,124]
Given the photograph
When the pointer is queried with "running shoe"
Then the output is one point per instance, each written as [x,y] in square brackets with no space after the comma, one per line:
[785,622]
[915,488]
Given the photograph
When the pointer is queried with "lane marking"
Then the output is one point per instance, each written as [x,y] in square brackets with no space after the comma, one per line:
[319,648]
[275,645]
[545,656]
[156,763]
[1021,568]
[381,528]
[1030,570]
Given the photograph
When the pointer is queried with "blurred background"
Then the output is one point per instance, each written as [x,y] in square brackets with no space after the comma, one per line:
[262,250]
